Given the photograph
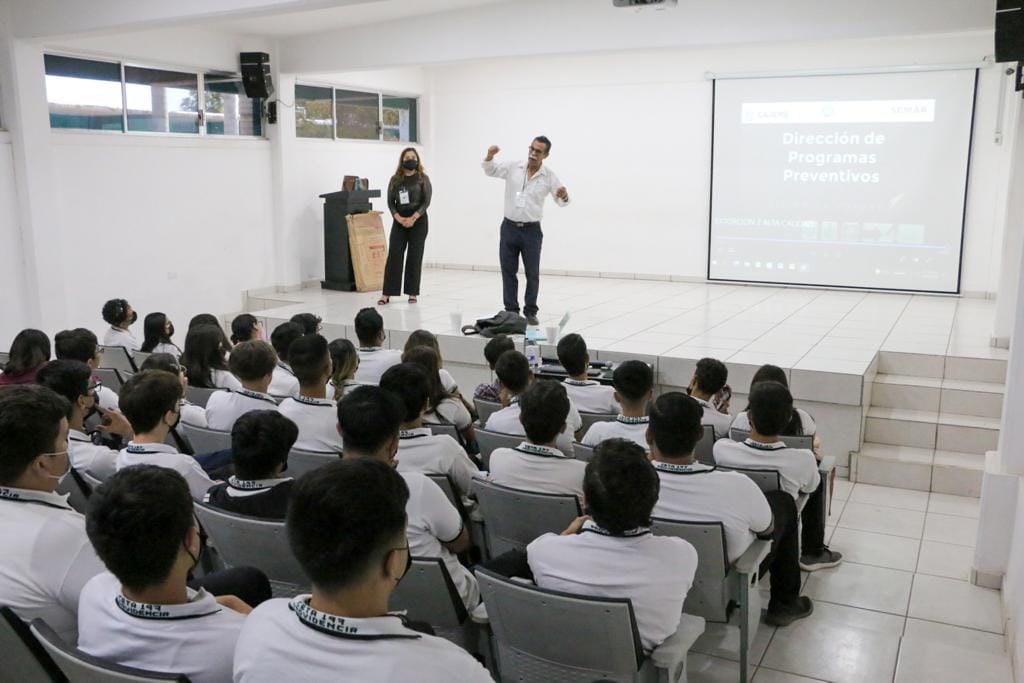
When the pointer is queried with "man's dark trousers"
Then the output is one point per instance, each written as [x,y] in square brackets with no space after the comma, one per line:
[516,239]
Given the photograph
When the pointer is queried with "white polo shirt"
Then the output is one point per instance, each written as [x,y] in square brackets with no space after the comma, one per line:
[632,428]
[798,467]
[115,336]
[718,420]
[537,468]
[162,455]
[196,639]
[450,411]
[290,641]
[47,558]
[193,414]
[506,421]
[223,379]
[654,572]
[373,361]
[448,382]
[699,493]
[806,421]
[284,381]
[224,407]
[108,398]
[317,419]
[99,461]
[420,450]
[345,389]
[590,396]
[433,520]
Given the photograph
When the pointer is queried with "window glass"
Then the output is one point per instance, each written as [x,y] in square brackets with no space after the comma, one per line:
[226,108]
[314,115]
[358,114]
[398,118]
[162,101]
[84,93]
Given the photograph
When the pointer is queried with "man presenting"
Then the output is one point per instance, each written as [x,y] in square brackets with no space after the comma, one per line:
[526,185]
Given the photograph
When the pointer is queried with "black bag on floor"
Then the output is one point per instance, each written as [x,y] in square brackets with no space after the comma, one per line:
[505,322]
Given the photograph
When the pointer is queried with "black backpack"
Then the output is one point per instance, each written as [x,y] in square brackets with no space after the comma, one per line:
[505,322]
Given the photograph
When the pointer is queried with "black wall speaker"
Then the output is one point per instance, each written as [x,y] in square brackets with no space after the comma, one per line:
[1009,30]
[256,74]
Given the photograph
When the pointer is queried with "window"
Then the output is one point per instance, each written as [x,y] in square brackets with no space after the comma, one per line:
[314,112]
[161,101]
[227,110]
[84,93]
[357,115]
[399,119]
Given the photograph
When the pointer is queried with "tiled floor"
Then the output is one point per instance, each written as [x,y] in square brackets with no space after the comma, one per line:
[898,610]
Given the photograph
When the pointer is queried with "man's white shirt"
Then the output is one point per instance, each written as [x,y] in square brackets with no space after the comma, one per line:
[506,421]
[223,379]
[284,382]
[699,493]
[47,558]
[632,428]
[97,460]
[590,396]
[116,336]
[537,468]
[420,450]
[162,455]
[718,420]
[524,199]
[108,398]
[317,419]
[223,408]
[196,639]
[798,468]
[373,361]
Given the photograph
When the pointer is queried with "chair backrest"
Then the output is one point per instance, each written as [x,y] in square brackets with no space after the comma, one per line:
[24,659]
[79,666]
[427,593]
[90,481]
[805,442]
[117,358]
[77,489]
[581,452]
[513,517]
[489,441]
[251,542]
[300,461]
[532,626]
[110,377]
[704,450]
[139,357]
[199,395]
[204,440]
[709,594]
[450,430]
[590,418]
[484,409]
[4,357]
[766,480]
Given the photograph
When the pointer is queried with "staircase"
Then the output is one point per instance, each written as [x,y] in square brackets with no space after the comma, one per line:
[930,422]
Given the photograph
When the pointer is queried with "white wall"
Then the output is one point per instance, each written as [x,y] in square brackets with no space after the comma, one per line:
[12,282]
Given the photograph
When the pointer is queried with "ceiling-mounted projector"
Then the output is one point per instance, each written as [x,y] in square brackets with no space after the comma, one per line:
[645,3]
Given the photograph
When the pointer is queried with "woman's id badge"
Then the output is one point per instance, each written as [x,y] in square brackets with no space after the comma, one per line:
[403,196]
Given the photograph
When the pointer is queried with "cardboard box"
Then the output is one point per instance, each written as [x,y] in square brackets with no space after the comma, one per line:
[369,249]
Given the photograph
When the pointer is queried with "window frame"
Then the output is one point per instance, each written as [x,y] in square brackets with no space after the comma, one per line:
[381,94]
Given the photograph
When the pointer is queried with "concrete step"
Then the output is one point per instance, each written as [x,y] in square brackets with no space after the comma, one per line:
[912,392]
[931,429]
[941,366]
[921,469]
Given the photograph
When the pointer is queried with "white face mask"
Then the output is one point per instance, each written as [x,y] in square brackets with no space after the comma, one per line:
[60,477]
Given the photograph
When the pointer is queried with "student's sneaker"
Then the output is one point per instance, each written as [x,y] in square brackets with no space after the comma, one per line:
[823,559]
[784,616]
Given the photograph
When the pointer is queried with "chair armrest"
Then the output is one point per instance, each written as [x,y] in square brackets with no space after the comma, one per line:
[674,648]
[827,464]
[752,557]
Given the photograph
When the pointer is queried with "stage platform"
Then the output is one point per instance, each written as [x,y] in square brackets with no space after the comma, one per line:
[907,384]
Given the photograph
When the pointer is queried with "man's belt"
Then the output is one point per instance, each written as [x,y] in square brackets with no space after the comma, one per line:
[518,224]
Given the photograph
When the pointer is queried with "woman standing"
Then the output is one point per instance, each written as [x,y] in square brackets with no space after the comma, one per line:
[408,198]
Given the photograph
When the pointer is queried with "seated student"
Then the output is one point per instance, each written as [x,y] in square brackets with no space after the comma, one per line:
[203,319]
[429,339]
[260,442]
[29,351]
[802,424]
[693,492]
[253,363]
[514,376]
[707,387]
[499,344]
[344,631]
[151,400]
[419,450]
[445,407]
[141,611]
[634,387]
[157,330]
[537,464]
[205,361]
[47,557]
[344,363]
[284,383]
[370,418]
[190,413]
[72,380]
[120,315]
[81,344]
[373,358]
[314,413]
[611,553]
[588,395]
[770,410]
[246,327]
[309,322]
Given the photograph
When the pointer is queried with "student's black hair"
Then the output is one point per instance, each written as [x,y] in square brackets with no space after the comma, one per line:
[711,375]
[369,325]
[344,359]
[409,383]
[29,350]
[78,344]
[544,407]
[544,139]
[513,371]
[309,322]
[203,319]
[252,360]
[309,359]
[204,353]
[771,408]
[115,312]
[369,417]
[162,361]
[283,336]
[344,518]
[30,418]
[773,373]
[242,327]
[422,338]
[675,424]
[633,379]
[498,345]
[68,378]
[572,354]
[620,486]
[147,396]
[260,441]
[427,358]
[154,332]
[137,522]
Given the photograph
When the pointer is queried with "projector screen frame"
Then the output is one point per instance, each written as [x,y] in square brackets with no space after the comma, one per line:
[843,72]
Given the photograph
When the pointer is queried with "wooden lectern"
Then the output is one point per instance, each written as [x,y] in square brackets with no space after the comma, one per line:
[338,273]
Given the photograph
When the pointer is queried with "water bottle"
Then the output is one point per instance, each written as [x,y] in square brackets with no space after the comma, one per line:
[533,355]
